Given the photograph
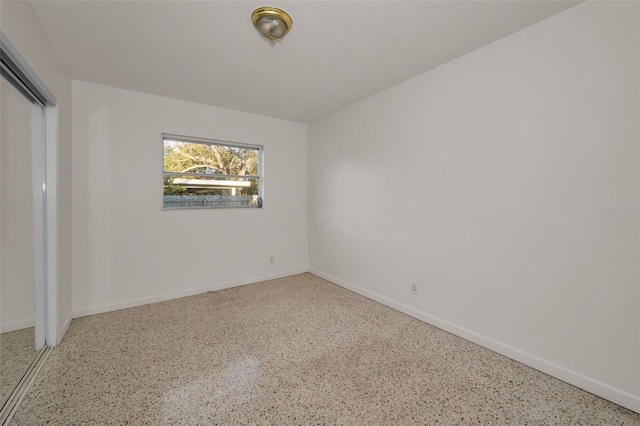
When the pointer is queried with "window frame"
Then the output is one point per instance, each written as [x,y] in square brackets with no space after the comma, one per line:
[206,141]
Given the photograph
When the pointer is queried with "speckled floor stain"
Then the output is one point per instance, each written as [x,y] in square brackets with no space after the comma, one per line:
[296,350]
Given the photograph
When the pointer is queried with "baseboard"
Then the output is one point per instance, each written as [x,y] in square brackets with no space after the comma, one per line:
[618,396]
[17,325]
[178,294]
[65,326]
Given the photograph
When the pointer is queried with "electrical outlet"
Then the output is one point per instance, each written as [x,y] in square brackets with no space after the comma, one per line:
[271,259]
[414,288]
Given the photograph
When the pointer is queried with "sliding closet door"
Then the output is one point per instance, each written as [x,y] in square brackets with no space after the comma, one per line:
[21,235]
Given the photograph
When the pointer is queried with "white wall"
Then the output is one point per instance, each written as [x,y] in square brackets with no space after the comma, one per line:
[128,251]
[486,181]
[21,25]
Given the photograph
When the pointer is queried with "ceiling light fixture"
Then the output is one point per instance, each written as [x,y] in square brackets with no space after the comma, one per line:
[272,23]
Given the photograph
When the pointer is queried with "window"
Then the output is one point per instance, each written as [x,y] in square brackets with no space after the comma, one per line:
[201,173]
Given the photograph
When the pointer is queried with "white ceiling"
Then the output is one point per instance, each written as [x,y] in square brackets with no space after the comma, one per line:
[337,52]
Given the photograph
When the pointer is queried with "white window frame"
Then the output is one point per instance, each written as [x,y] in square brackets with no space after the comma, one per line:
[206,141]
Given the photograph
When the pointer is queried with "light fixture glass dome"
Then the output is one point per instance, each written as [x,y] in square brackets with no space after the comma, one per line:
[272,23]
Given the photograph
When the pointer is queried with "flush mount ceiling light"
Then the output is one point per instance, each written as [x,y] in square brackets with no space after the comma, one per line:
[272,23]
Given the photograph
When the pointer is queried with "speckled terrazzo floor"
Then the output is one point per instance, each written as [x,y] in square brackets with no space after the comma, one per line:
[17,352]
[296,350]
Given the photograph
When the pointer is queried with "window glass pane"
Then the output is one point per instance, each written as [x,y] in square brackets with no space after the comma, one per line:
[209,174]
[190,157]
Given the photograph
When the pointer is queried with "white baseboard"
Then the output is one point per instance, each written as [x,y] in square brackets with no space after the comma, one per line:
[83,312]
[618,396]
[65,327]
[17,325]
